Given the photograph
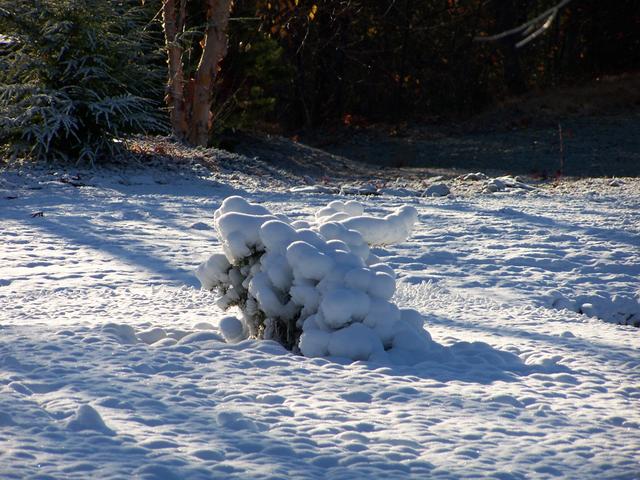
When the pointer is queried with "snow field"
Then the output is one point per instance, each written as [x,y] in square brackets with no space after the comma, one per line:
[528,400]
[113,363]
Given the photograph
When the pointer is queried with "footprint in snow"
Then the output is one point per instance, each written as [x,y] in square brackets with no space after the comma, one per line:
[6,420]
[200,226]
[236,421]
[20,388]
[357,397]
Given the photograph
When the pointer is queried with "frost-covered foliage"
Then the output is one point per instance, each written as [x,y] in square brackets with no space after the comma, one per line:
[314,287]
[75,77]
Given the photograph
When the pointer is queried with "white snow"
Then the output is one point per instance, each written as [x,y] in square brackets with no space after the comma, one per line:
[308,262]
[337,210]
[87,418]
[502,183]
[393,228]
[113,365]
[232,329]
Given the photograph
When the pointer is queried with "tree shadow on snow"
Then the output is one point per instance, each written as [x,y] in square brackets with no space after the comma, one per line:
[469,362]
[516,216]
[605,352]
[83,232]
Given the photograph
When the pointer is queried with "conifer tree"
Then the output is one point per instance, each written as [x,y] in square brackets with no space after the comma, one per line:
[76,77]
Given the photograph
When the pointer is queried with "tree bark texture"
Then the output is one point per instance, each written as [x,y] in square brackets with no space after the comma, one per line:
[189,100]
[174,97]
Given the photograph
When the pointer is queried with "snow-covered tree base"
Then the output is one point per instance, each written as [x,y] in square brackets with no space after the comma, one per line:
[313,286]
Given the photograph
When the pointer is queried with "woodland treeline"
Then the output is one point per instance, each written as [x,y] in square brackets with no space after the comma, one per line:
[413,58]
[76,75]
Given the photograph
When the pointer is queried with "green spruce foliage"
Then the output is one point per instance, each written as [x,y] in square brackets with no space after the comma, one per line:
[76,77]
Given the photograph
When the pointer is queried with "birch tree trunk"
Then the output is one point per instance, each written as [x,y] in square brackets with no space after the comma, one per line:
[174,97]
[189,100]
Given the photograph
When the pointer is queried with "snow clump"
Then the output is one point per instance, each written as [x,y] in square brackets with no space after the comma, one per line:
[313,286]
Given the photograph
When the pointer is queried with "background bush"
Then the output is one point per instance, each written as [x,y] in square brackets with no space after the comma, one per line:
[76,77]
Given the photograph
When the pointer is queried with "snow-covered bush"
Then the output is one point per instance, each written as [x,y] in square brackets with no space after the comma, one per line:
[313,286]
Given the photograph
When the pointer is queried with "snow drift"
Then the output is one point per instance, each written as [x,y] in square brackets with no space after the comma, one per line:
[313,287]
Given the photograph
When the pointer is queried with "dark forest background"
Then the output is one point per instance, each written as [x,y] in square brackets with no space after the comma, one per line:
[78,75]
[306,64]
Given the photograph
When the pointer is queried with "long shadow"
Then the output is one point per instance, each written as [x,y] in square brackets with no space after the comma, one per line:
[468,362]
[603,352]
[604,233]
[81,232]
[185,186]
[539,220]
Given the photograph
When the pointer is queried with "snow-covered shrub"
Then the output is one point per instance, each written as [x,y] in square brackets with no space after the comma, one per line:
[313,287]
[76,76]
[394,228]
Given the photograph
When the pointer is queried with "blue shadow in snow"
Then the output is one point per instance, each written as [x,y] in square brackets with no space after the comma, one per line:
[469,362]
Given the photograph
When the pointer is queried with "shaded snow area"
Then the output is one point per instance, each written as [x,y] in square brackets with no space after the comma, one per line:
[113,362]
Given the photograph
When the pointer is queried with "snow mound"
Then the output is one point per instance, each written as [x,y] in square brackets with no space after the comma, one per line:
[338,210]
[366,189]
[88,418]
[313,189]
[474,177]
[232,330]
[315,290]
[501,184]
[394,228]
[620,309]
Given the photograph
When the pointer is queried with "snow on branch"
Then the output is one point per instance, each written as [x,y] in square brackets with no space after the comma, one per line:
[529,30]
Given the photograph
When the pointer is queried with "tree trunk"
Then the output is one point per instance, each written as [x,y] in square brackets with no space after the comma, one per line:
[175,84]
[214,50]
[509,13]
[190,113]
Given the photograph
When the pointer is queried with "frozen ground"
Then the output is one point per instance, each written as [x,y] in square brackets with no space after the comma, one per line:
[111,363]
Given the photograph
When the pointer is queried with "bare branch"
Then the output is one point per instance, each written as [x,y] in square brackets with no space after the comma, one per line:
[537,25]
[538,32]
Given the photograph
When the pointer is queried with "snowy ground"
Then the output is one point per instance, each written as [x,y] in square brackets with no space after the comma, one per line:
[111,365]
